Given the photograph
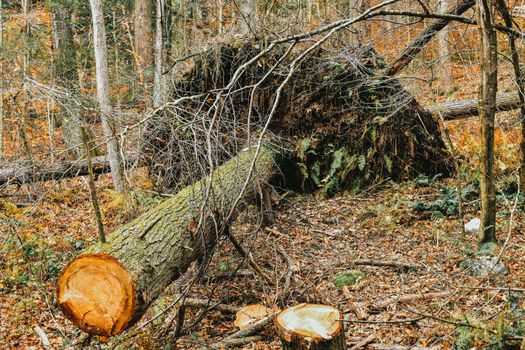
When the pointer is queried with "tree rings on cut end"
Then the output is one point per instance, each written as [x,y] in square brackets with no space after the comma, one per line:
[309,323]
[97,294]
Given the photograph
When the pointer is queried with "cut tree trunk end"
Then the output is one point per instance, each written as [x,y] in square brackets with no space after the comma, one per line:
[312,327]
[108,288]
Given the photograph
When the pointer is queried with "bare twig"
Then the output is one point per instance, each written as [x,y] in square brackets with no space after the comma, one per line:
[386,263]
[364,342]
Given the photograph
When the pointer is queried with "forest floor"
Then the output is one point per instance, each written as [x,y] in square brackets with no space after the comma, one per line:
[44,225]
[386,223]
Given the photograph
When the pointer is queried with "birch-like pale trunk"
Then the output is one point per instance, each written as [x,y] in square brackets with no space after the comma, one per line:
[101,62]
[158,90]
[485,12]
[447,77]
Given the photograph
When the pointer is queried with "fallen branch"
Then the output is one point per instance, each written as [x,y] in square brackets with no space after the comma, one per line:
[387,263]
[290,269]
[364,342]
[226,344]
[253,329]
[382,304]
[378,346]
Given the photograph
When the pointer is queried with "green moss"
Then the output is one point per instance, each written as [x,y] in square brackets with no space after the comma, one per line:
[348,278]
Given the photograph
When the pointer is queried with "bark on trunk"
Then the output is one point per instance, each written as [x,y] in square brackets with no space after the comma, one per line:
[520,84]
[109,287]
[28,173]
[158,91]
[447,76]
[311,327]
[143,33]
[415,46]
[469,108]
[487,111]
[65,71]
[101,62]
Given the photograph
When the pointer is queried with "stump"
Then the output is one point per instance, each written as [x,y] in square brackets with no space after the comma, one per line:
[312,327]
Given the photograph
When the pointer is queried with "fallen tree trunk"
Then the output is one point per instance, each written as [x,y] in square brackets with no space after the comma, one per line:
[28,173]
[109,286]
[468,108]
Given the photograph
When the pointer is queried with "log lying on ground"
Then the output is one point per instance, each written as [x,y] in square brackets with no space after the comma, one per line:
[311,326]
[109,286]
[468,108]
[27,173]
[35,172]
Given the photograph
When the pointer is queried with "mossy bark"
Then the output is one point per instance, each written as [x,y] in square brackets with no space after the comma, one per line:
[157,247]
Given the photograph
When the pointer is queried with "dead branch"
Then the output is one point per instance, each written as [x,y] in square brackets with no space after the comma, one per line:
[378,346]
[227,344]
[387,263]
[253,329]
[382,304]
[291,269]
[364,342]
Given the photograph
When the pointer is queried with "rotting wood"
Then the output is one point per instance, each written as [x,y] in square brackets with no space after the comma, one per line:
[109,286]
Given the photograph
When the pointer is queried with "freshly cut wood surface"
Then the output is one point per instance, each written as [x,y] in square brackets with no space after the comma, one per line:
[97,293]
[110,286]
[311,326]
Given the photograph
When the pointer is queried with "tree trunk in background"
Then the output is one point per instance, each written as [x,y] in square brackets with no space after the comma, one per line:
[158,91]
[141,258]
[1,81]
[445,64]
[65,73]
[142,15]
[101,62]
[487,109]
[248,17]
[416,45]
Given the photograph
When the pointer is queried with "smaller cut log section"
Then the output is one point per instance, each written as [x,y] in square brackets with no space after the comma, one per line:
[109,287]
[312,327]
